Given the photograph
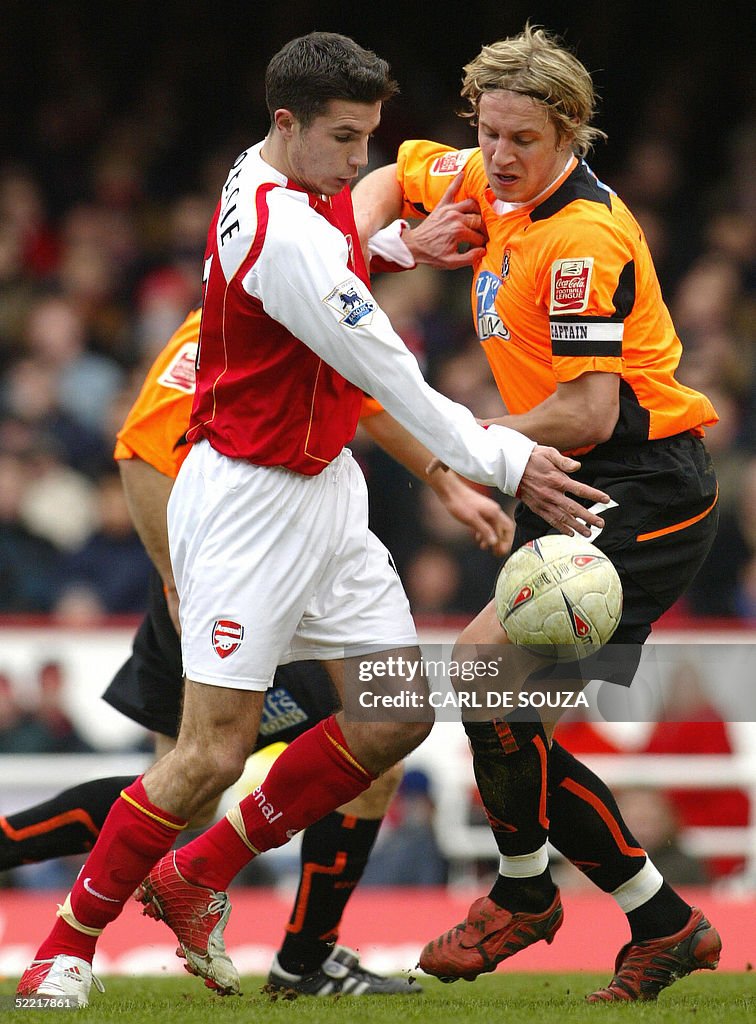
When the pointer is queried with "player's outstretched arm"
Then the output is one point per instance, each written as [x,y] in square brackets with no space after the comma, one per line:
[377,200]
[492,529]
[545,488]
[436,240]
[489,525]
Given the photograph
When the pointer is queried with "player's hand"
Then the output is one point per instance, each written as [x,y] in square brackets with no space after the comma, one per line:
[545,488]
[450,224]
[491,528]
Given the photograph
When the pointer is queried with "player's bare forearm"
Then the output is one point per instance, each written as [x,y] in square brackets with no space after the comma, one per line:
[579,413]
[488,523]
[397,441]
[451,236]
[147,491]
[377,200]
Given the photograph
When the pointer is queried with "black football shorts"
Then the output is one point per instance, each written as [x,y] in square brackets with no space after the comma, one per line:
[657,537]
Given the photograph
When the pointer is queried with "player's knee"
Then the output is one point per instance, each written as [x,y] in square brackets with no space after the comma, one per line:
[484,631]
[410,735]
[375,800]
[206,814]
[391,779]
[383,744]
[229,761]
[216,766]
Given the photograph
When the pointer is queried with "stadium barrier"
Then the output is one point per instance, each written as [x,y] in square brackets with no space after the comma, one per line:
[387,926]
[89,657]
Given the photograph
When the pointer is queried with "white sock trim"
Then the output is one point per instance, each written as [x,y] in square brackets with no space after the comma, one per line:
[527,865]
[235,819]
[639,889]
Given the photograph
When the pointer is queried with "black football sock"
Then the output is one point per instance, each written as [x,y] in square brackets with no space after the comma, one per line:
[586,825]
[510,761]
[664,914]
[335,851]
[588,829]
[69,823]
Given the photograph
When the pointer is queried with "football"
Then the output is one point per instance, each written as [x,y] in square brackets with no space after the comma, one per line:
[560,597]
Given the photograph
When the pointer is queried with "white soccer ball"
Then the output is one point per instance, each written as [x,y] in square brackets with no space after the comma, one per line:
[560,597]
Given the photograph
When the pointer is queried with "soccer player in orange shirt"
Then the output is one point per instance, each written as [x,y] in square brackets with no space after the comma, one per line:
[568,309]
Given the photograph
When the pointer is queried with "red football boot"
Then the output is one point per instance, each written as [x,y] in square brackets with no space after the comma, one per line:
[197,915]
[489,935]
[643,969]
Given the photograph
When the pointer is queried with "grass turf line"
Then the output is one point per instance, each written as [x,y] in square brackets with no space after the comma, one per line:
[514,998]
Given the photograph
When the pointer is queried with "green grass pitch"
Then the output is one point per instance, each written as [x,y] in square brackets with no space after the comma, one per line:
[498,999]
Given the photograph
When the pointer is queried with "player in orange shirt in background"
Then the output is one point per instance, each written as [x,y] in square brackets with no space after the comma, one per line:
[568,309]
[148,688]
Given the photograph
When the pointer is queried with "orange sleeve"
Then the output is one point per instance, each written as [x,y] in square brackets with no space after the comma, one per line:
[369,407]
[577,271]
[425,170]
[155,428]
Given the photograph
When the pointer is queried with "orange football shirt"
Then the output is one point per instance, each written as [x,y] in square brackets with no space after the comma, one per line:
[155,428]
[567,285]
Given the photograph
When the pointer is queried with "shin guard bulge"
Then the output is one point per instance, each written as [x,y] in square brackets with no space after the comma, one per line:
[135,835]
[313,776]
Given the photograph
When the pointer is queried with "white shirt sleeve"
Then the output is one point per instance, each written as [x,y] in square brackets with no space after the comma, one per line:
[303,281]
[388,245]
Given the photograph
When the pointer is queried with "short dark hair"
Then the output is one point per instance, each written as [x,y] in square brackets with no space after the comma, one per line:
[311,70]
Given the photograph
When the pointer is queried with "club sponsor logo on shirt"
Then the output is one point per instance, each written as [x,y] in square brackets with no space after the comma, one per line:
[354,306]
[487,319]
[227,637]
[450,163]
[505,264]
[179,374]
[570,285]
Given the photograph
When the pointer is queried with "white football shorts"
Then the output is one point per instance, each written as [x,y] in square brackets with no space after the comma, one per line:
[272,566]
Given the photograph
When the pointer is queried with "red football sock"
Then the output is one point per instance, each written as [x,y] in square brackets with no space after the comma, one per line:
[134,837]
[314,775]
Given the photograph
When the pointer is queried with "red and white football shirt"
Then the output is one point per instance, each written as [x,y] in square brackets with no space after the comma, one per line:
[291,334]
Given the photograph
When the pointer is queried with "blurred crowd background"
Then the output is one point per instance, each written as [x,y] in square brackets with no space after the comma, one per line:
[119,124]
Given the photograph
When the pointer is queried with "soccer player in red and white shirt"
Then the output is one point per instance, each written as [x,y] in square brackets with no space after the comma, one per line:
[270,545]
[148,687]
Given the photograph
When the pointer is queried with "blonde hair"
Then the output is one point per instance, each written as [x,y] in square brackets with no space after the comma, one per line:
[535,63]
